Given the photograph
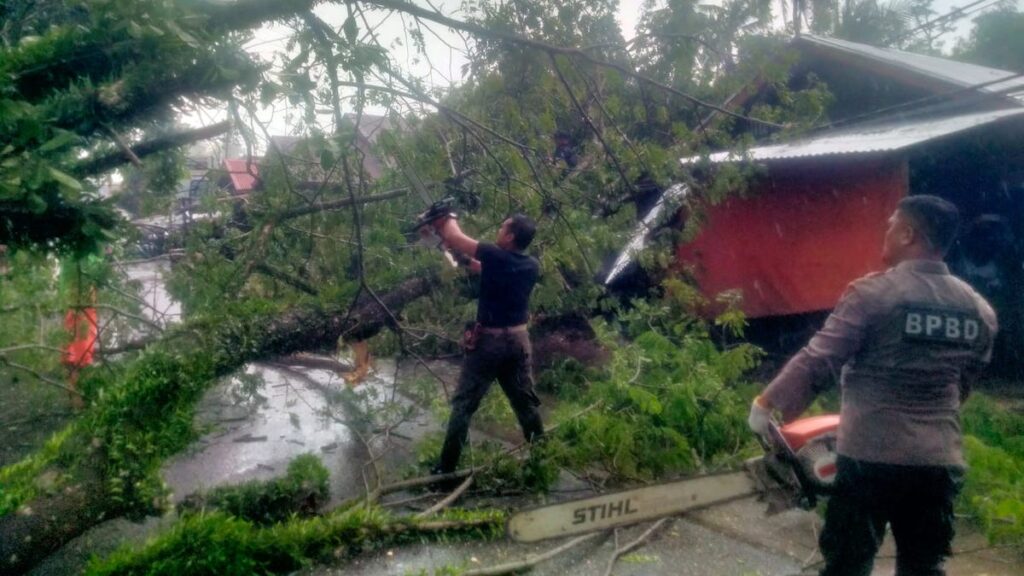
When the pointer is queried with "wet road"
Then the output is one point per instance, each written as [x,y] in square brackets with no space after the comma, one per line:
[257,433]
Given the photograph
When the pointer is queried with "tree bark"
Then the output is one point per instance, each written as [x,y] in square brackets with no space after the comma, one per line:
[44,525]
[48,522]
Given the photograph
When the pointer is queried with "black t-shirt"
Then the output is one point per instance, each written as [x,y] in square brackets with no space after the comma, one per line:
[506,281]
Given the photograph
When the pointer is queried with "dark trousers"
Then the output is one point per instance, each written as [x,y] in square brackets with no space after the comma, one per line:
[507,357]
[916,501]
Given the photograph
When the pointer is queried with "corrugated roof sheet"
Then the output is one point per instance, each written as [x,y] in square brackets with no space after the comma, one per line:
[667,204]
[956,74]
[881,137]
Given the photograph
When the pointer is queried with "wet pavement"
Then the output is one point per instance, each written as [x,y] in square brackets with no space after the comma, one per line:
[678,548]
[256,423]
[255,433]
[733,539]
[159,306]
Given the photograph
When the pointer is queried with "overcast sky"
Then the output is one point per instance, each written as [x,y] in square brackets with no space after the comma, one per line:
[441,66]
[446,61]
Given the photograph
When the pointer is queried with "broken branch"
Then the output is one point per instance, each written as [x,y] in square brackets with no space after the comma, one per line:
[620,552]
[530,561]
[444,503]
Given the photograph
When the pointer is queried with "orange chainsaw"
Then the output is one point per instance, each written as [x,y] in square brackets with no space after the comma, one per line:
[798,467]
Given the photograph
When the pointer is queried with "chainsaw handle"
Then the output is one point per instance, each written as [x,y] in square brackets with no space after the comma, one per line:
[774,439]
[779,447]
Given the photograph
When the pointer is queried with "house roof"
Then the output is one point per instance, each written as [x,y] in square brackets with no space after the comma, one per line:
[371,126]
[243,179]
[285,144]
[864,139]
[942,70]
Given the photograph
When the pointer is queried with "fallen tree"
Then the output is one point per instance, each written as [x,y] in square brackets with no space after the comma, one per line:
[106,463]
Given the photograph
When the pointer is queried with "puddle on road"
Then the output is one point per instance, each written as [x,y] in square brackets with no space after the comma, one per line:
[255,434]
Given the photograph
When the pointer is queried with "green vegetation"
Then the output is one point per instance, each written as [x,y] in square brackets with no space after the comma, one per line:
[994,488]
[669,401]
[669,404]
[496,469]
[142,412]
[217,544]
[997,40]
[994,424]
[21,481]
[81,81]
[302,491]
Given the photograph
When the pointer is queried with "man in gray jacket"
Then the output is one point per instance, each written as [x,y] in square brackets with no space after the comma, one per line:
[906,344]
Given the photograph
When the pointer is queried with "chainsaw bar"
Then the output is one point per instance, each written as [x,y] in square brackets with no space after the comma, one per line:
[629,506]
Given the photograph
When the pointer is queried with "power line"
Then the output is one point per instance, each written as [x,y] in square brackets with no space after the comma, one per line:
[956,14]
[974,88]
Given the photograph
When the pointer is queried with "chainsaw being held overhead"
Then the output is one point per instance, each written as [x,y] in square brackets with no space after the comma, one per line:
[798,467]
[422,230]
[426,233]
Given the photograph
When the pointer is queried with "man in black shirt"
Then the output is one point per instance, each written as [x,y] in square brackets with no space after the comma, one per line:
[499,346]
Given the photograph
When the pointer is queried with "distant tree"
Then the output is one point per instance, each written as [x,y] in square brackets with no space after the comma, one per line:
[908,24]
[997,40]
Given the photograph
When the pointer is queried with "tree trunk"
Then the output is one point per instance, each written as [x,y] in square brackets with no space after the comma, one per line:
[47,523]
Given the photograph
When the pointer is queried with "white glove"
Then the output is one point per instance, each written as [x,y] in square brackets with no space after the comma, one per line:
[760,420]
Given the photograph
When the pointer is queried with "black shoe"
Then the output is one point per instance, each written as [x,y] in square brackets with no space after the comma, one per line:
[446,485]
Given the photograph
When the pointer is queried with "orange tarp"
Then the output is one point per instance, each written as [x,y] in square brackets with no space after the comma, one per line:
[806,231]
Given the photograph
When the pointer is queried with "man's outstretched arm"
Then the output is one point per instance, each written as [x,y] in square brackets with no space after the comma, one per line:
[455,239]
[818,363]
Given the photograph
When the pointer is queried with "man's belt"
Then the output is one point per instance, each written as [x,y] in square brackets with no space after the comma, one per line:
[505,330]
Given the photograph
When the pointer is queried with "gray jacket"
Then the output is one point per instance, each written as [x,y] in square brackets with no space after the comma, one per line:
[906,343]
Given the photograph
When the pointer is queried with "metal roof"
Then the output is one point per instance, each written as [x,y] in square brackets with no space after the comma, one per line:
[667,204]
[863,139]
[956,74]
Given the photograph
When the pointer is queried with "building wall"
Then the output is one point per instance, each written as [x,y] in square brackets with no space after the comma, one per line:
[808,228]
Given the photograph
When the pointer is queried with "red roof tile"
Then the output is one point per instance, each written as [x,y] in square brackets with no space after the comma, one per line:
[243,179]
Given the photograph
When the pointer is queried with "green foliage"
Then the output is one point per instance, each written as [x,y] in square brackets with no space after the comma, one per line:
[994,487]
[997,40]
[37,290]
[495,468]
[203,544]
[216,544]
[22,481]
[995,425]
[994,491]
[142,418]
[877,22]
[93,71]
[671,400]
[150,189]
[32,298]
[303,490]
[567,379]
[142,413]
